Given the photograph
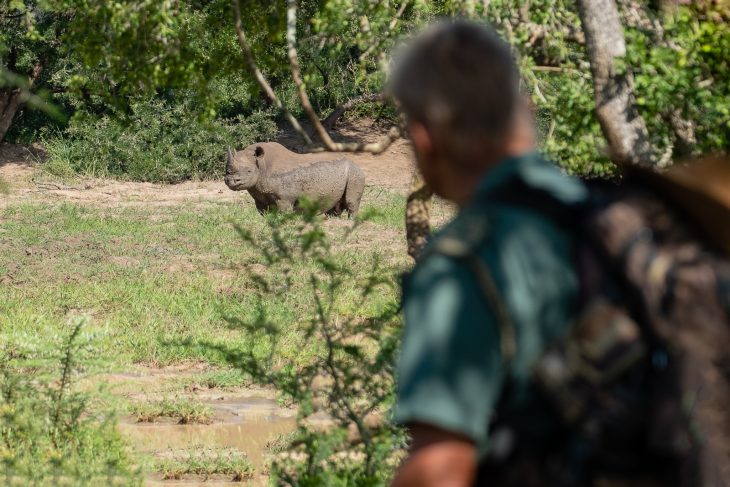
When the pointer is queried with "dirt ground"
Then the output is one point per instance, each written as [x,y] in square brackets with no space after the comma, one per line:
[23,182]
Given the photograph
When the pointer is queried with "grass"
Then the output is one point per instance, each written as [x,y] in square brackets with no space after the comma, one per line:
[161,284]
[205,462]
[224,379]
[182,410]
[156,282]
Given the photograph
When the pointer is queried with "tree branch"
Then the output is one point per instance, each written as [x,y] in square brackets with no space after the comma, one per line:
[258,75]
[291,38]
[621,123]
[340,110]
[392,25]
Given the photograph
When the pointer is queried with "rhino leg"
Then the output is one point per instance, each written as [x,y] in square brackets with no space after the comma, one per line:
[353,192]
[285,205]
[338,208]
[262,206]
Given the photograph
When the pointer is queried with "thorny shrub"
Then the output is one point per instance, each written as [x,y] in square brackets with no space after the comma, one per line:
[343,381]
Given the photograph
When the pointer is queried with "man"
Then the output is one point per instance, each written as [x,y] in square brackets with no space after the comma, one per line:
[497,284]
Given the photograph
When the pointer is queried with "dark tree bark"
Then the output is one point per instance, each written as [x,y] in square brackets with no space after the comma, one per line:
[418,216]
[621,123]
[12,99]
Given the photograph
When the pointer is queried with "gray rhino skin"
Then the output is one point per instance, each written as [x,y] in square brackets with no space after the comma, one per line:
[279,178]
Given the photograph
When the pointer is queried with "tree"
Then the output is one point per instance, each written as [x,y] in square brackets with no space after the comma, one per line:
[622,125]
[26,47]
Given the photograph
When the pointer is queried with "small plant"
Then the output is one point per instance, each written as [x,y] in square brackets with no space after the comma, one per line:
[217,379]
[183,410]
[206,462]
[347,335]
[50,432]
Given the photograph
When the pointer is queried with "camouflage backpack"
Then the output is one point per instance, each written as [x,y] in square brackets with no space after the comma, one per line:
[654,264]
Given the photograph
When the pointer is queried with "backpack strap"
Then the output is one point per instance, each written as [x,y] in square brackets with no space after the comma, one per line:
[460,250]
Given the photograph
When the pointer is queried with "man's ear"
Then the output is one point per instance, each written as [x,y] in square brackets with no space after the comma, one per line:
[522,137]
[421,138]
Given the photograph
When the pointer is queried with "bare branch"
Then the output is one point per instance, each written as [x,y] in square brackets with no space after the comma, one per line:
[291,39]
[375,148]
[258,75]
[622,125]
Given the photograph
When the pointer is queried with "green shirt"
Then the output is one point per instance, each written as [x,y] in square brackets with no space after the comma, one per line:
[451,373]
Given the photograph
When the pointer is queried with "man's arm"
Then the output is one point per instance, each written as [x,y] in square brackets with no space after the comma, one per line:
[437,458]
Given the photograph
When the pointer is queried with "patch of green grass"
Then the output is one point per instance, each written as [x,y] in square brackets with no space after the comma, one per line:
[206,462]
[158,281]
[183,410]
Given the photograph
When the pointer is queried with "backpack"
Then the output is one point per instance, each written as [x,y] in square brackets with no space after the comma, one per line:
[641,385]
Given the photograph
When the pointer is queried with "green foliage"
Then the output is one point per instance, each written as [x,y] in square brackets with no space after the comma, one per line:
[347,373]
[155,142]
[50,431]
[684,73]
[183,57]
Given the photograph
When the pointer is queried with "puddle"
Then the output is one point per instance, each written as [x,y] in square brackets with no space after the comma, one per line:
[247,419]
[242,409]
[248,424]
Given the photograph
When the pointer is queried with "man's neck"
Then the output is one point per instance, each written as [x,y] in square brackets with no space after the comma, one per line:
[468,183]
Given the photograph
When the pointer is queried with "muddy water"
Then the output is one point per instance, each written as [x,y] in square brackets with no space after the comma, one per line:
[248,423]
[251,437]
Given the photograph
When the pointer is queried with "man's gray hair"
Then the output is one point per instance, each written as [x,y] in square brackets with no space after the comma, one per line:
[458,78]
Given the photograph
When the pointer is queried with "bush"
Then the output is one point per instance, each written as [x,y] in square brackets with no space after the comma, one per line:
[155,142]
[347,335]
[50,432]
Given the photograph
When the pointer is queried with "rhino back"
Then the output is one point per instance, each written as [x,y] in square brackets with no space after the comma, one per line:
[282,160]
[323,181]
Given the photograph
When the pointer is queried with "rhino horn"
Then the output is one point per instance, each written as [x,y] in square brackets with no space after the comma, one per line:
[230,157]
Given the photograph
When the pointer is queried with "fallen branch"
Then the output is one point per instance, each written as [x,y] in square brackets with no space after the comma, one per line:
[340,110]
[258,75]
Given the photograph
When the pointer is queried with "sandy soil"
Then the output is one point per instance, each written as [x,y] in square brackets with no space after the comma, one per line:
[24,182]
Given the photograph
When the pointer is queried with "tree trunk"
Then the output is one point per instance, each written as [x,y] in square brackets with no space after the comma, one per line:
[623,127]
[418,220]
[12,99]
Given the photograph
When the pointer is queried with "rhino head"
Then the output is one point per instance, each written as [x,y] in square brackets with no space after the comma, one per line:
[244,168]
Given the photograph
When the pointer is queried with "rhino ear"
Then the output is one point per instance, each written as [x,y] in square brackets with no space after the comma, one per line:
[259,154]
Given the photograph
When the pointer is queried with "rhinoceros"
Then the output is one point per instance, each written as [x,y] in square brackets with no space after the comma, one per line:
[279,178]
